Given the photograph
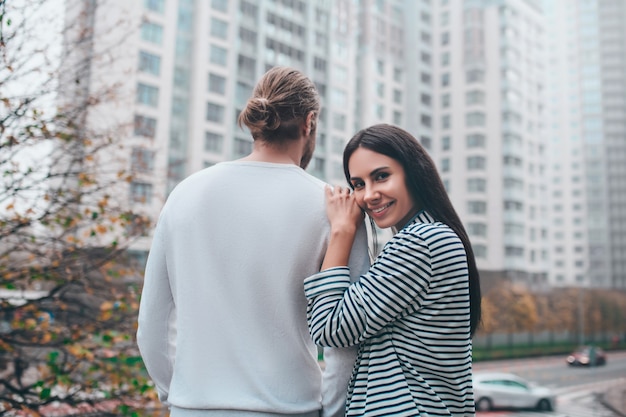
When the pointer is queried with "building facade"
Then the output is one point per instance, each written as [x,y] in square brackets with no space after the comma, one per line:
[586,121]
[528,135]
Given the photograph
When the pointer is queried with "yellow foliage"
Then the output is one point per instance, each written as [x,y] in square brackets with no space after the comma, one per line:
[106,306]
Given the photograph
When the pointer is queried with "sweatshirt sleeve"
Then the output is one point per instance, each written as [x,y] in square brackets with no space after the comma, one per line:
[339,361]
[156,331]
[344,314]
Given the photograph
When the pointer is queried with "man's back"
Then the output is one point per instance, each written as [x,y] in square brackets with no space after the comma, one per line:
[237,240]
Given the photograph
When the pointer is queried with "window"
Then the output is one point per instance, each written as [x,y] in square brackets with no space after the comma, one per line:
[380,67]
[445,79]
[425,78]
[320,64]
[243,92]
[221,5]
[480,251]
[155,5]
[247,36]
[475,76]
[247,67]
[218,55]
[242,147]
[476,163]
[514,251]
[477,229]
[215,113]
[426,120]
[445,121]
[475,141]
[425,99]
[380,89]
[148,95]
[380,111]
[140,192]
[149,63]
[475,119]
[248,9]
[445,59]
[476,185]
[318,166]
[181,77]
[142,160]
[445,100]
[144,126]
[445,143]
[517,206]
[445,165]
[217,84]
[477,207]
[445,38]
[339,121]
[397,118]
[151,32]
[219,28]
[397,74]
[474,97]
[213,142]
[397,96]
[426,141]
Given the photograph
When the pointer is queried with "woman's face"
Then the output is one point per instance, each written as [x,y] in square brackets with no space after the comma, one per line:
[380,188]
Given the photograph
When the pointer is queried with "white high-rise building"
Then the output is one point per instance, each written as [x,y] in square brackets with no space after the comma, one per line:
[587,141]
[489,101]
[496,90]
[186,69]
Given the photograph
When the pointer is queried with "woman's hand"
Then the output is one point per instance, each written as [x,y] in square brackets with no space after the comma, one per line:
[342,210]
[344,216]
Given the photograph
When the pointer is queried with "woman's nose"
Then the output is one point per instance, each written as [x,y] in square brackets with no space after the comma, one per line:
[371,194]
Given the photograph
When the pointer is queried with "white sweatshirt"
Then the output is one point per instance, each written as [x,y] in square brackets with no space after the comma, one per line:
[222,320]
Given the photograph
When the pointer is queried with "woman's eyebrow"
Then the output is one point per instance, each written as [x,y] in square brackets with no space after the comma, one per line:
[371,174]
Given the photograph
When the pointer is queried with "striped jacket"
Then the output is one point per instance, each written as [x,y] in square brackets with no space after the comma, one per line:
[410,315]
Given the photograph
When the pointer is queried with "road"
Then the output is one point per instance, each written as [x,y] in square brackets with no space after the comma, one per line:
[578,388]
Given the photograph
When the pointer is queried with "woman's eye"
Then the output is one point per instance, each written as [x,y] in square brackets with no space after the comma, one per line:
[381,176]
[357,185]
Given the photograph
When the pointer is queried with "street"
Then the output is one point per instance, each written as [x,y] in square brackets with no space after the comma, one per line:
[579,389]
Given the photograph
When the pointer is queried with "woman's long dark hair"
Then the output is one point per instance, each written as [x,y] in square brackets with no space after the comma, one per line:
[425,186]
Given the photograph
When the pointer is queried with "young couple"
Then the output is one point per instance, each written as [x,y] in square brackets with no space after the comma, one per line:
[224,323]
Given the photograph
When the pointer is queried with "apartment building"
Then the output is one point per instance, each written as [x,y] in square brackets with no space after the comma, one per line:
[586,124]
[489,135]
[496,90]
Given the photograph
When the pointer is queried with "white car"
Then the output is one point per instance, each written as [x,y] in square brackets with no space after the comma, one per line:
[493,390]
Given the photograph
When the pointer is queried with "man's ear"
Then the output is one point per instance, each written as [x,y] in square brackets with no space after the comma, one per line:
[309,122]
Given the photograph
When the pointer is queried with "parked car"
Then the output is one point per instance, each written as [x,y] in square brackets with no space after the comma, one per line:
[587,356]
[501,390]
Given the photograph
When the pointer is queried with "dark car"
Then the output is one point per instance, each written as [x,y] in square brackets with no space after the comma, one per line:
[587,356]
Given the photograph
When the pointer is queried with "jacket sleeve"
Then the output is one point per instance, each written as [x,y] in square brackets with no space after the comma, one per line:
[345,314]
[156,330]
[339,361]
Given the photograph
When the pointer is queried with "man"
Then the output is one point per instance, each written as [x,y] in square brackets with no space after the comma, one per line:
[222,320]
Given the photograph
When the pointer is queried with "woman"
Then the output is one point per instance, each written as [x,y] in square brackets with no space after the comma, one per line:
[414,312]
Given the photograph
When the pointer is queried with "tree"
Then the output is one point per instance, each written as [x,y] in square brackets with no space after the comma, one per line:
[514,308]
[68,292]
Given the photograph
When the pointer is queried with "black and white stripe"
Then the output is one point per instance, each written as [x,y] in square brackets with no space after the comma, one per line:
[410,314]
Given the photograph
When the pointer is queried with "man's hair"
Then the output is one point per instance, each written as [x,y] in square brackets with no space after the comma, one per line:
[279,105]
[424,185]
